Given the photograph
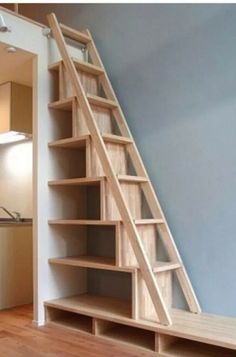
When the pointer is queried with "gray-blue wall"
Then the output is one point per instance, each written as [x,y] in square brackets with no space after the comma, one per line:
[174,70]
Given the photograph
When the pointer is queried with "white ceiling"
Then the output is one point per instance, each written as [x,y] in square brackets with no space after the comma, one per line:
[15,67]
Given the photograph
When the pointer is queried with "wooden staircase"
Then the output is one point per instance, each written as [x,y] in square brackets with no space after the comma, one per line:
[113,167]
[108,224]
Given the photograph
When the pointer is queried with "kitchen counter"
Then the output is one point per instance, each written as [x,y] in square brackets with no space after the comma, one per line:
[5,222]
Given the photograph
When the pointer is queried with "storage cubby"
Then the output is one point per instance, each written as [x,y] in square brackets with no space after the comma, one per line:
[91,244]
[76,202]
[170,346]
[78,322]
[67,163]
[125,334]
[62,122]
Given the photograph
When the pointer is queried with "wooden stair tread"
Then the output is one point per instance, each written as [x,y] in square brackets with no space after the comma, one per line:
[149,221]
[83,181]
[91,181]
[66,104]
[101,102]
[82,65]
[95,262]
[80,141]
[62,104]
[74,34]
[116,139]
[76,222]
[94,305]
[70,143]
[128,178]
[165,266]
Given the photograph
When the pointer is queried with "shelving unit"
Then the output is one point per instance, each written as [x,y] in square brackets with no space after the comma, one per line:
[108,224]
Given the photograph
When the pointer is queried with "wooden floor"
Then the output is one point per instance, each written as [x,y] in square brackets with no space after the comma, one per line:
[20,338]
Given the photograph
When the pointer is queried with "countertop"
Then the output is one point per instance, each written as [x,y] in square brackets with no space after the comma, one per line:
[5,222]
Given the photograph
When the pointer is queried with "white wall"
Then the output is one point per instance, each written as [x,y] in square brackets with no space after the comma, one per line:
[16,178]
[28,36]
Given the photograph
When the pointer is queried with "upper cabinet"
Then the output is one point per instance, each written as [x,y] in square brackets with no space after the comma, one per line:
[15,108]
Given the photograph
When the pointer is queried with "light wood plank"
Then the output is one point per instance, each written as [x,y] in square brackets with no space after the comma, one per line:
[95,262]
[80,141]
[128,178]
[116,139]
[102,102]
[84,181]
[82,65]
[165,266]
[70,143]
[93,305]
[74,35]
[76,222]
[62,104]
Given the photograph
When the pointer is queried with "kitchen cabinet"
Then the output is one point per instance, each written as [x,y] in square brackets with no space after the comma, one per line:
[15,108]
[16,266]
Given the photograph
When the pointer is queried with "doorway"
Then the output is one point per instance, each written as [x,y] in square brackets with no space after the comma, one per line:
[16,177]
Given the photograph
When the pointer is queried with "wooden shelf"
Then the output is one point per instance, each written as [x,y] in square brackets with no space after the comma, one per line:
[128,178]
[149,221]
[165,266]
[91,262]
[83,181]
[81,65]
[94,305]
[101,102]
[80,142]
[63,104]
[116,139]
[70,143]
[66,104]
[187,348]
[91,181]
[76,222]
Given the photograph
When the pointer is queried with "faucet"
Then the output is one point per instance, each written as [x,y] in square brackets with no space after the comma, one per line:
[16,216]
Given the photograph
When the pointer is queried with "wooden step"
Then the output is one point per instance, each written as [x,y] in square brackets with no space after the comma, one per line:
[83,181]
[101,102]
[62,104]
[77,222]
[70,143]
[80,141]
[66,104]
[103,263]
[116,139]
[94,305]
[74,34]
[149,221]
[128,178]
[91,181]
[81,65]
[160,267]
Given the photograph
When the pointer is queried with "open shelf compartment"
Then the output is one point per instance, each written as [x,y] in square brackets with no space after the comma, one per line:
[132,336]
[78,322]
[170,346]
